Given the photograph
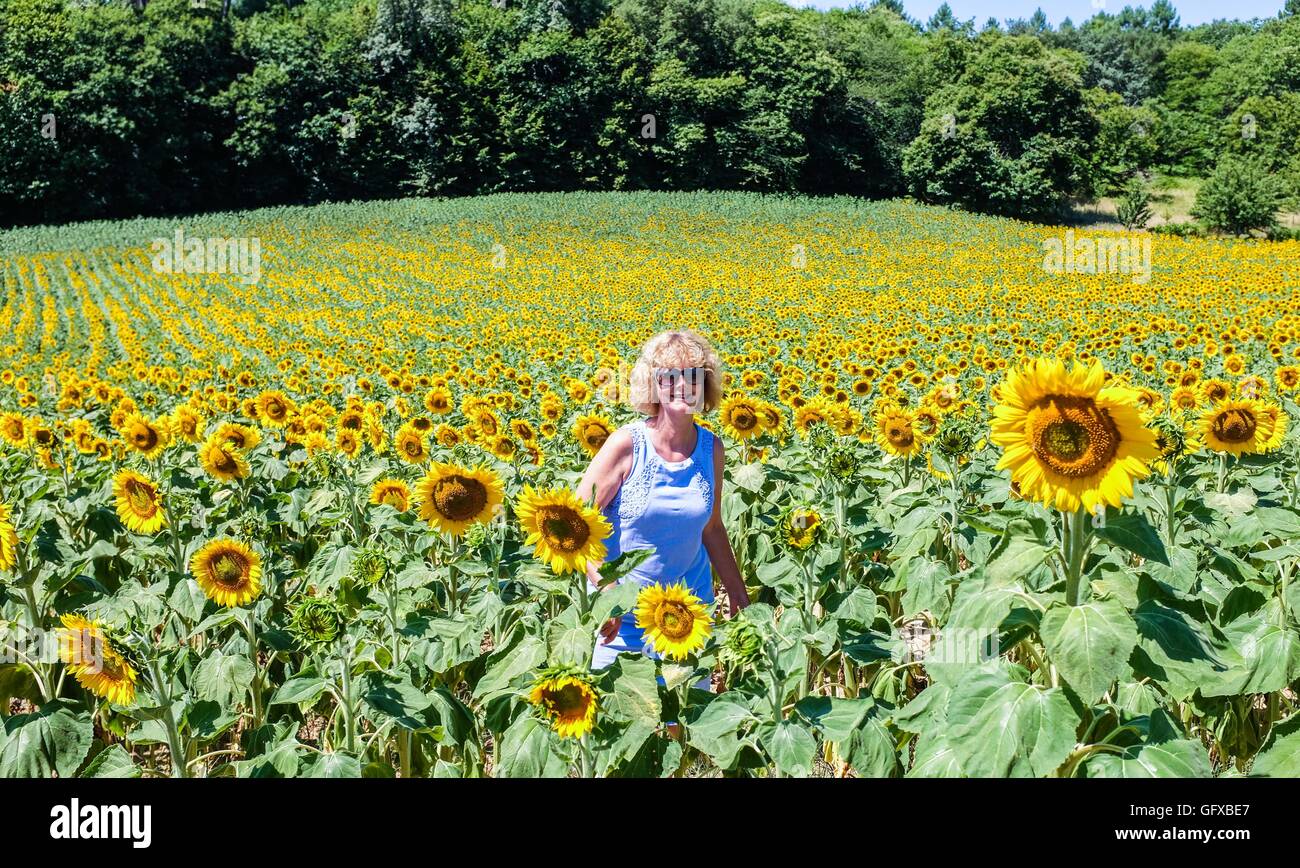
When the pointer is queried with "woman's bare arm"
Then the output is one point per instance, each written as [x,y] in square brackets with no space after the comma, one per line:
[603,478]
[716,542]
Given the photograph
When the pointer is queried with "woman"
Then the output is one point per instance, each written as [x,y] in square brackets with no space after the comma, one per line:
[659,482]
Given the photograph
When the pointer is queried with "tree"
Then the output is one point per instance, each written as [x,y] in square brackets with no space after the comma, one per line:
[1239,196]
[1010,137]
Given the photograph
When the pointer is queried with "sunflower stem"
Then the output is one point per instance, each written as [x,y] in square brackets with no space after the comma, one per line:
[349,719]
[174,746]
[1075,544]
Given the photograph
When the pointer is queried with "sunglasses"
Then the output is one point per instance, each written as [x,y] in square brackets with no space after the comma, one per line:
[668,378]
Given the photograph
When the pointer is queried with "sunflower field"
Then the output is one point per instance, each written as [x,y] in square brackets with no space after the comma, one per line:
[994,520]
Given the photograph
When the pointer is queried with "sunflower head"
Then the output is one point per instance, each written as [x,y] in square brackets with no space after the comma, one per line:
[393,492]
[566,696]
[898,430]
[222,459]
[452,498]
[228,571]
[138,501]
[370,566]
[741,417]
[565,532]
[1236,426]
[1069,440]
[743,645]
[8,540]
[316,622]
[675,621]
[801,526]
[147,437]
[591,432]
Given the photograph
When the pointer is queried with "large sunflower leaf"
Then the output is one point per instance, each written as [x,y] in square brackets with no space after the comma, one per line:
[53,740]
[1006,728]
[1089,643]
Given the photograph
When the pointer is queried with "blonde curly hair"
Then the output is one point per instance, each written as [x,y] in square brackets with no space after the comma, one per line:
[674,349]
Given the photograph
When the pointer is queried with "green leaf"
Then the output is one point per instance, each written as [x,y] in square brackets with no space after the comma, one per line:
[1089,643]
[1132,532]
[569,639]
[333,765]
[790,746]
[717,731]
[1185,758]
[111,762]
[222,677]
[51,741]
[1005,728]
[509,663]
[1175,650]
[528,750]
[1270,653]
[1014,558]
[299,690]
[635,695]
[1279,756]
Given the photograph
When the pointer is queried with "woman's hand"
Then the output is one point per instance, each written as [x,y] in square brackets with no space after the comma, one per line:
[609,630]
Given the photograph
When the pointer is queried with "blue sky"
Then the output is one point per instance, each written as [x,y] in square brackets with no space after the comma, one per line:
[1190,11]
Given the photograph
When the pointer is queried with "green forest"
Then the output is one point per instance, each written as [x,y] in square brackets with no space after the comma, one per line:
[121,109]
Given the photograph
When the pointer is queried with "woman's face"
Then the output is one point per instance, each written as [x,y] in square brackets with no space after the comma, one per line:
[680,390]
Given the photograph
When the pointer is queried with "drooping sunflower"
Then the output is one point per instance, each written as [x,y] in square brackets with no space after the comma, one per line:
[138,501]
[81,641]
[1235,426]
[741,417]
[567,697]
[675,621]
[147,437]
[896,430]
[591,430]
[1069,440]
[452,498]
[564,531]
[113,679]
[8,539]
[393,492]
[222,459]
[1277,421]
[228,571]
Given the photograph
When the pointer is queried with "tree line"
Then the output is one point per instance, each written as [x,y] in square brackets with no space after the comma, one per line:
[117,108]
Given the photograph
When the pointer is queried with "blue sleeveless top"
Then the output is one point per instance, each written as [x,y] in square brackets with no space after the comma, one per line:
[664,505]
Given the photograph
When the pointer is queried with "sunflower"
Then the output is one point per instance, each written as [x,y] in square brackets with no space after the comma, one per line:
[523,430]
[741,417]
[1068,440]
[565,531]
[1287,377]
[446,435]
[139,505]
[393,492]
[567,697]
[1276,421]
[591,431]
[221,459]
[348,442]
[501,446]
[228,571]
[896,430]
[13,428]
[187,423]
[242,437]
[452,498]
[1215,390]
[274,408]
[675,621]
[1185,398]
[113,679]
[800,527]
[1235,426]
[438,401]
[149,438]
[81,642]
[410,445]
[8,539]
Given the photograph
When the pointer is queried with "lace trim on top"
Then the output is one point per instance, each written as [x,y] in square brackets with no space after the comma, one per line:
[635,491]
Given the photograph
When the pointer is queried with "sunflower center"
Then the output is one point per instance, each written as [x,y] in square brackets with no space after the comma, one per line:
[569,701]
[225,462]
[1073,436]
[140,497]
[900,434]
[145,438]
[228,570]
[675,620]
[1235,426]
[459,498]
[413,447]
[563,528]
